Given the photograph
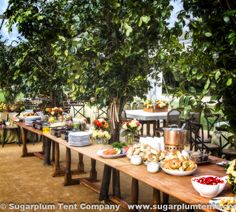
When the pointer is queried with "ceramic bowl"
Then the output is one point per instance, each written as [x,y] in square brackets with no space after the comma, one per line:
[136,160]
[153,167]
[209,191]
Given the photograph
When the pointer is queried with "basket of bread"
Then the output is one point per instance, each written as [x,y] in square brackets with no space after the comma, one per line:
[178,164]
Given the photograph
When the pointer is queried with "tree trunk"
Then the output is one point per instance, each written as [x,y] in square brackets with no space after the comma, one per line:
[115,111]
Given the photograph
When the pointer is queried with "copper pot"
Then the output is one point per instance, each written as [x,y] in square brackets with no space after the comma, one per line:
[174,138]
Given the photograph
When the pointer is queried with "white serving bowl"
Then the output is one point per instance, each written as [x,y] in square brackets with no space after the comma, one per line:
[209,191]
[153,167]
[136,160]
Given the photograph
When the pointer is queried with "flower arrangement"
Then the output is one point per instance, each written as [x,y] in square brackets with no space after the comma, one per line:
[101,136]
[148,104]
[161,104]
[100,124]
[131,127]
[55,111]
[231,171]
[156,104]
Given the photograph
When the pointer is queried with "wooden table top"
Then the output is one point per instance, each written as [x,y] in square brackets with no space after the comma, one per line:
[91,151]
[29,128]
[176,186]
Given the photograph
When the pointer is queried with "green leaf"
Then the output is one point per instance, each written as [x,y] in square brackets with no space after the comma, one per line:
[229,82]
[40,59]
[62,38]
[145,19]
[217,75]
[208,34]
[208,82]
[128,29]
[192,89]
[39,18]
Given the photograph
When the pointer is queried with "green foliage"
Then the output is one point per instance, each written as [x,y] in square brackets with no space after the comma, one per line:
[8,84]
[114,47]
[40,23]
[209,61]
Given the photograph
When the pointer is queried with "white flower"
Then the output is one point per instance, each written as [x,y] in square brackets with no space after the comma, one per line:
[133,123]
[125,126]
[95,134]
[107,135]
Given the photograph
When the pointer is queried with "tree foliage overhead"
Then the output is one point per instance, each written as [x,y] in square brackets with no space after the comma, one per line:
[40,23]
[211,57]
[8,84]
[115,45]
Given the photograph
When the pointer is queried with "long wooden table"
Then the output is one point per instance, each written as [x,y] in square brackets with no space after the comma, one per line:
[24,131]
[178,187]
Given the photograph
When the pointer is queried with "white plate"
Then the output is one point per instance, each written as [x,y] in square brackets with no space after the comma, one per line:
[178,173]
[79,145]
[215,202]
[100,153]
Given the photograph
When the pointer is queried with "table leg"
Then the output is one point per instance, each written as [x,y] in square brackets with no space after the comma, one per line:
[134,191]
[57,168]
[80,164]
[68,175]
[164,123]
[93,171]
[156,199]
[18,136]
[105,183]
[53,151]
[4,136]
[165,199]
[47,159]
[148,129]
[116,183]
[24,137]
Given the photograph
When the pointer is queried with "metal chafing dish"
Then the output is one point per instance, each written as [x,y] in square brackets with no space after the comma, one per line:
[174,138]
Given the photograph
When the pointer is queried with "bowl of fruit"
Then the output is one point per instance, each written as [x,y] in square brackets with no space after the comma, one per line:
[209,185]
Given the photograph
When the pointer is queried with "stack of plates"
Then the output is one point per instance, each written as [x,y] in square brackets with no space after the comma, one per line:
[30,119]
[79,138]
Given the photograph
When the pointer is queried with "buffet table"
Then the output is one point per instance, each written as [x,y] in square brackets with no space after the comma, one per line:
[175,186]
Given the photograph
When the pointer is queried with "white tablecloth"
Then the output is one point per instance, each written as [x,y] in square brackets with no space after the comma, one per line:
[145,116]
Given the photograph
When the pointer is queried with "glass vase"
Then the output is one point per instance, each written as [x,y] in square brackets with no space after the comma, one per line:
[130,139]
[101,140]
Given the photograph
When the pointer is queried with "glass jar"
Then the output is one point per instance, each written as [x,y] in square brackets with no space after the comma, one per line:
[46,128]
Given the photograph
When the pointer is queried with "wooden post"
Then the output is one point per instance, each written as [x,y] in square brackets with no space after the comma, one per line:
[156,199]
[134,191]
[80,164]
[116,183]
[47,159]
[68,175]
[93,171]
[24,148]
[105,183]
[53,151]
[57,167]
